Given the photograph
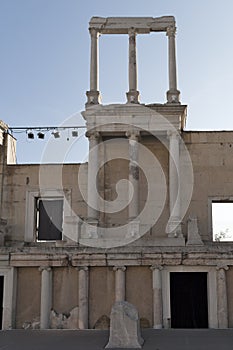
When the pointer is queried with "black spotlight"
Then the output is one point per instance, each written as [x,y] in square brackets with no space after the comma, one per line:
[30,135]
[75,133]
[40,135]
[56,134]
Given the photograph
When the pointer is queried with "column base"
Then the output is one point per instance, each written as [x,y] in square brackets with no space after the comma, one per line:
[173,96]
[174,228]
[91,229]
[132,96]
[159,326]
[133,230]
[93,98]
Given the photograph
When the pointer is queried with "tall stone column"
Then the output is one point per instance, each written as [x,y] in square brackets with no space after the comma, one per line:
[133,94]
[157,297]
[83,297]
[93,95]
[119,282]
[172,94]
[222,297]
[92,189]
[46,296]
[174,184]
[133,173]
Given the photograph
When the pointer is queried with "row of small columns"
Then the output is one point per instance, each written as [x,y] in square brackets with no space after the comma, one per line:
[132,95]
[174,161]
[120,295]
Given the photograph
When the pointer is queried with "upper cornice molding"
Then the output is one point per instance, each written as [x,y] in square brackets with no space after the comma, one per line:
[122,25]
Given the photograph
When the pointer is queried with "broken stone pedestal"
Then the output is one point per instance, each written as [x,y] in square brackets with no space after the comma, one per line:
[124,327]
[194,237]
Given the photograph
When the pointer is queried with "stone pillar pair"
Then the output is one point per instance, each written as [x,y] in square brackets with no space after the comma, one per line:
[93,96]
[84,291]
[120,288]
[46,297]
[93,166]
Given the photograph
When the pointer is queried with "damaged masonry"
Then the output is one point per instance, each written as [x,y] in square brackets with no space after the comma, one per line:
[137,225]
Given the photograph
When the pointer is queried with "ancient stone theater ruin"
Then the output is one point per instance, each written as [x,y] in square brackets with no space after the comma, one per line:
[133,224]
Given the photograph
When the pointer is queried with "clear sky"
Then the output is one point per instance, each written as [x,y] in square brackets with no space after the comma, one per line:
[44,64]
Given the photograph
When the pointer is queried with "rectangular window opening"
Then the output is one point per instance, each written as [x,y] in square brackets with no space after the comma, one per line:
[222,221]
[49,219]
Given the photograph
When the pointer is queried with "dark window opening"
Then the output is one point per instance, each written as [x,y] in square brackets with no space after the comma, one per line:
[1,299]
[189,308]
[49,219]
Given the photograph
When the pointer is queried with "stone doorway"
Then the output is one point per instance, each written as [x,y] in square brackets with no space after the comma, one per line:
[188,298]
[1,299]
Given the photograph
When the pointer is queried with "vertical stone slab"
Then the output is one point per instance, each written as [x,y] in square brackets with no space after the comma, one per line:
[124,327]
[194,237]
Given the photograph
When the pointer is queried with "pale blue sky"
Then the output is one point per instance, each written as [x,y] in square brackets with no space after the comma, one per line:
[44,63]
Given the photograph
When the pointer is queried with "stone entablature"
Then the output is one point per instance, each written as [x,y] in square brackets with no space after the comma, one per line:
[122,25]
[199,256]
[118,118]
[131,26]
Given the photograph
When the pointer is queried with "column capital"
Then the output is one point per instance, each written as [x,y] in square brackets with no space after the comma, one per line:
[156,267]
[133,135]
[132,32]
[45,268]
[82,268]
[116,268]
[222,267]
[94,33]
[93,135]
[93,97]
[171,31]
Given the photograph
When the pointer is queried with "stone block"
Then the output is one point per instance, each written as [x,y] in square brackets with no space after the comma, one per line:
[133,229]
[72,320]
[194,237]
[102,323]
[62,321]
[124,327]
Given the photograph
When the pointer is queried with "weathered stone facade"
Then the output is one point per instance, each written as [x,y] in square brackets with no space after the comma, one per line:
[119,242]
